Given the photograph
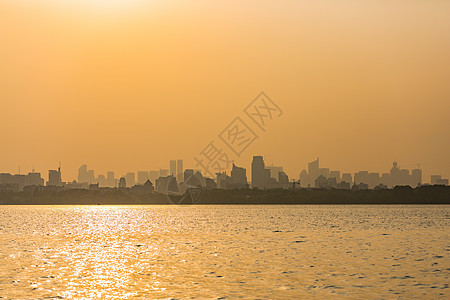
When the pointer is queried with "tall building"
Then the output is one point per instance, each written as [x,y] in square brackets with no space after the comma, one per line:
[269,182]
[163,172]
[34,178]
[258,172]
[142,177]
[130,178]
[283,179]
[304,179]
[386,179]
[17,182]
[347,177]
[223,180]
[336,174]
[200,178]
[173,168]
[308,178]
[167,185]
[399,176]
[238,179]
[325,172]
[361,177]
[313,171]
[54,177]
[274,170]
[188,173]
[374,180]
[110,180]
[190,179]
[101,181]
[91,176]
[153,175]
[180,171]
[20,180]
[238,175]
[405,178]
[10,182]
[83,174]
[416,177]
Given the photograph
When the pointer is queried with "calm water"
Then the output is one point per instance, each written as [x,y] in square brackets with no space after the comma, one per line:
[282,252]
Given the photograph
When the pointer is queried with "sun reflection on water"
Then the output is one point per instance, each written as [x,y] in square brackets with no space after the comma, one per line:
[211,252]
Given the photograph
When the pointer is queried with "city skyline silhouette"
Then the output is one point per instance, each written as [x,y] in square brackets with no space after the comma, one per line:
[257,149]
[258,175]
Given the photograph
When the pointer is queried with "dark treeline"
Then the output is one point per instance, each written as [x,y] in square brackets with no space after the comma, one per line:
[398,195]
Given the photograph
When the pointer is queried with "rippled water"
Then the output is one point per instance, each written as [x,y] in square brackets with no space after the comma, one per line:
[282,252]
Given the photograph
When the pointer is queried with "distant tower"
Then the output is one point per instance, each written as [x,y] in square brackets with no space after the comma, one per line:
[54,177]
[180,170]
[142,177]
[238,175]
[110,181]
[416,177]
[395,174]
[130,178]
[313,170]
[83,174]
[173,168]
[258,172]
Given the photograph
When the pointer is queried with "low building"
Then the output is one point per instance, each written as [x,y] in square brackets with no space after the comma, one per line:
[146,188]
[343,185]
[360,186]
[93,186]
[211,184]
[381,187]
[167,185]
[122,183]
[9,188]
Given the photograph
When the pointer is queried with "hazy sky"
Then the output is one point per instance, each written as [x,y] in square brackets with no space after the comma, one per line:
[127,85]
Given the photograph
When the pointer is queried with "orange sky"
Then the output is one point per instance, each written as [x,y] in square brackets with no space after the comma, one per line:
[128,85]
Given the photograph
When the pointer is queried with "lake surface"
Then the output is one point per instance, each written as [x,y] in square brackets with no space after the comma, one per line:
[253,252]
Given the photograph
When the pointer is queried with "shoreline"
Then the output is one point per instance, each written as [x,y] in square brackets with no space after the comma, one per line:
[400,195]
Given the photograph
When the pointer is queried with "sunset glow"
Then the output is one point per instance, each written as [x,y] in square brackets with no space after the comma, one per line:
[224,149]
[89,72]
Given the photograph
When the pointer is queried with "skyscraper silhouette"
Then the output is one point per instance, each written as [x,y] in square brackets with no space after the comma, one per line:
[54,177]
[258,172]
[142,177]
[173,168]
[180,170]
[238,176]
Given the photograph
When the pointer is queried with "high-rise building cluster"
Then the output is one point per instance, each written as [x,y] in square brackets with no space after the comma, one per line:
[177,180]
[326,178]
[267,177]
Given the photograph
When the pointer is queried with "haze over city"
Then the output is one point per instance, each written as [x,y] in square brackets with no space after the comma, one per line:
[126,86]
[256,149]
